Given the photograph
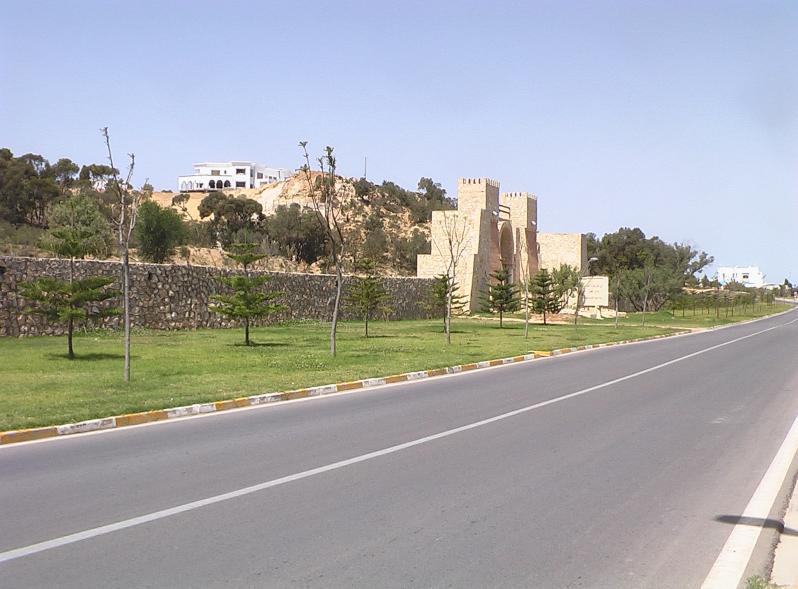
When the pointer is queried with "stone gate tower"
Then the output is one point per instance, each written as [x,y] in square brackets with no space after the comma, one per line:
[491,230]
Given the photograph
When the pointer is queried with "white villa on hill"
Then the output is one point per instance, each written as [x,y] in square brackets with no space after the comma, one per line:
[235,174]
[750,276]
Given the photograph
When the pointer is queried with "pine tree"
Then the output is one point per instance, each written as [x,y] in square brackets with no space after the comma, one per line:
[545,296]
[68,301]
[438,296]
[248,300]
[77,229]
[367,295]
[502,296]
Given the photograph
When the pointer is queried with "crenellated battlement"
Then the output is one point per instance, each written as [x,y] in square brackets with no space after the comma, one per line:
[485,181]
[518,195]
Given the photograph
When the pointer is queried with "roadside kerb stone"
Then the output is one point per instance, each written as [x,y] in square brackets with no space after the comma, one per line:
[785,559]
[86,426]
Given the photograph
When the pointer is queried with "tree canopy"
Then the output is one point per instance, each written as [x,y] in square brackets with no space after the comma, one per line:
[649,269]
[30,185]
[295,233]
[158,232]
[229,215]
[430,196]
[77,228]
[566,282]
[27,187]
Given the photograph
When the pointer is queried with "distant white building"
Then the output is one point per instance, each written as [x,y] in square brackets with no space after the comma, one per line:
[222,175]
[750,276]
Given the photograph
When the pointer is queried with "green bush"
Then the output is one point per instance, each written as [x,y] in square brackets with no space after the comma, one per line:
[757,582]
[296,233]
[24,235]
[158,232]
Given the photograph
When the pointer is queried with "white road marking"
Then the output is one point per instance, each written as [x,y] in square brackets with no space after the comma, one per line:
[157,515]
[729,567]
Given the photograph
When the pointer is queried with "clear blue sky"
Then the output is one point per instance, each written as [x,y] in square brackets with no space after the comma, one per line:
[678,117]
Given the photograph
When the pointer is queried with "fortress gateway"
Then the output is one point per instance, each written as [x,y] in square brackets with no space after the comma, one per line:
[490,231]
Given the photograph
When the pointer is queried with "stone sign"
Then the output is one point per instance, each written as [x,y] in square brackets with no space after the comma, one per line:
[597,291]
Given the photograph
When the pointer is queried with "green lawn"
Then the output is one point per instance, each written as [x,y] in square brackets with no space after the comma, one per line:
[688,318]
[667,318]
[40,386]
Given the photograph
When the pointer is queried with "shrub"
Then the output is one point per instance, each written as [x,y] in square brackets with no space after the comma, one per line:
[158,232]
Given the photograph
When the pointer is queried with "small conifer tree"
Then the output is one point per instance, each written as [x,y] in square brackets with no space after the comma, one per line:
[438,297]
[248,299]
[502,296]
[367,295]
[77,229]
[69,301]
[545,295]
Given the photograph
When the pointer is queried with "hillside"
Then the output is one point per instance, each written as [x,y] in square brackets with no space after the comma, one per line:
[383,222]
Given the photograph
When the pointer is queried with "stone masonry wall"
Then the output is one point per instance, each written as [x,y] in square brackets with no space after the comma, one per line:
[562,248]
[176,297]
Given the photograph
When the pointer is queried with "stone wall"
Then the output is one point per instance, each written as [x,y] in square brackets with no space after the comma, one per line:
[562,248]
[176,297]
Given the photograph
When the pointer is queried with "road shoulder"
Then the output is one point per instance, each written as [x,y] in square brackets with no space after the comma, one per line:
[785,560]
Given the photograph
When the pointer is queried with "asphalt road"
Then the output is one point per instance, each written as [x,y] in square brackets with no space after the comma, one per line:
[618,487]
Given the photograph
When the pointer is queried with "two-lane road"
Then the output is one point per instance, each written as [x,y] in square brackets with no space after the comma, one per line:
[609,468]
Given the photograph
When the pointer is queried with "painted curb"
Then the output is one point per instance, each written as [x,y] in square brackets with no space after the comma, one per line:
[118,421]
[785,557]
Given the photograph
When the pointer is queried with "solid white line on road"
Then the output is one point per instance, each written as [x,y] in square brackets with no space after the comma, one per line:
[732,561]
[164,513]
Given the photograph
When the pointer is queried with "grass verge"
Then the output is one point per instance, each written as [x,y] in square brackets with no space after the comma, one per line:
[757,582]
[690,318]
[40,386]
[680,319]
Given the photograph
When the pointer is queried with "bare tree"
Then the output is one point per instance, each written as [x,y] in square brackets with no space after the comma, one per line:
[125,212]
[523,260]
[325,194]
[456,231]
[579,294]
